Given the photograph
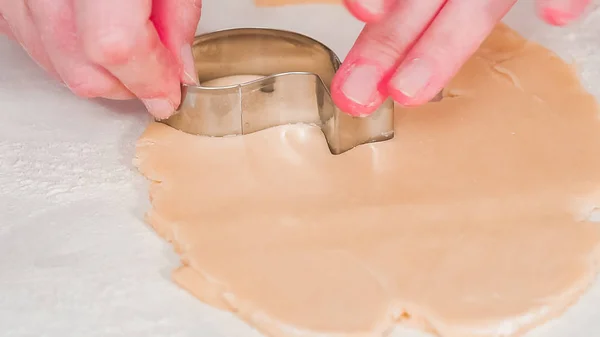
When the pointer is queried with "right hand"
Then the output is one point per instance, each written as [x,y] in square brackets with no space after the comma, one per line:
[410,49]
[116,49]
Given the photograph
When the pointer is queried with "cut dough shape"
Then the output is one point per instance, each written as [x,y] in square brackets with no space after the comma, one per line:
[470,222]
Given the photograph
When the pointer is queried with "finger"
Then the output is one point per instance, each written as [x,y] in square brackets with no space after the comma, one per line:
[54,20]
[453,37]
[118,35]
[359,86]
[369,10]
[176,22]
[18,18]
[561,12]
[5,28]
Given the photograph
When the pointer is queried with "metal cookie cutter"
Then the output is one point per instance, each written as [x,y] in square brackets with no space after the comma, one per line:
[295,76]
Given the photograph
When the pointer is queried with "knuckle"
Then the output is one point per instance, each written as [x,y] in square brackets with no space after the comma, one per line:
[385,40]
[110,48]
[386,46]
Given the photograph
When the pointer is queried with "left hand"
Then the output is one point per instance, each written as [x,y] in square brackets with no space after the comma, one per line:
[115,49]
[410,49]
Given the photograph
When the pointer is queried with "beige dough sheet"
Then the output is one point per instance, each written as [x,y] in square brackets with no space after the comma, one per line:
[471,222]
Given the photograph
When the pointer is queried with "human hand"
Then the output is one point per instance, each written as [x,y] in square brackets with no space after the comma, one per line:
[410,49]
[116,49]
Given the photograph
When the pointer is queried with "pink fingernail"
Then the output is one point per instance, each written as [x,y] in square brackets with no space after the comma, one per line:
[556,17]
[189,69]
[412,77]
[561,12]
[373,6]
[160,108]
[361,84]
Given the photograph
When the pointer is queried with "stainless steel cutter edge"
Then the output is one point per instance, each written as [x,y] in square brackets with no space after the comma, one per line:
[288,61]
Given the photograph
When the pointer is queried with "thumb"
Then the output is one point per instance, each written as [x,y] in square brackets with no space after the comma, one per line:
[561,12]
[176,22]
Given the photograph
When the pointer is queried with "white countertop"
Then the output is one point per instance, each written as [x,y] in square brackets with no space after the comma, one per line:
[77,260]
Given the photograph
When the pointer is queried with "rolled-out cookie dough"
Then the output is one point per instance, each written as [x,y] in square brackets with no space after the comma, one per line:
[470,222]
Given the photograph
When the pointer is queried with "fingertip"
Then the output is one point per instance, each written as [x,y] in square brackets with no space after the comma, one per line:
[176,23]
[350,107]
[402,99]
[356,90]
[411,83]
[373,12]
[407,101]
[556,17]
[561,12]
[160,108]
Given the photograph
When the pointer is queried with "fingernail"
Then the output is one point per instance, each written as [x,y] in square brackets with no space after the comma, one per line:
[561,12]
[160,108]
[373,6]
[189,69]
[361,84]
[411,78]
[557,17]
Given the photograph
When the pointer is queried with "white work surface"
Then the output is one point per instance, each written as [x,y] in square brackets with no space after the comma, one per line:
[76,258]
